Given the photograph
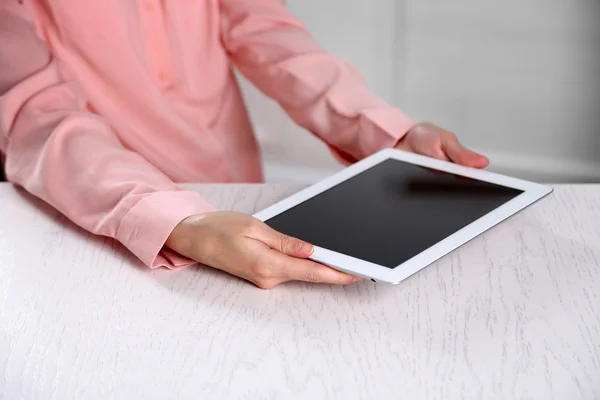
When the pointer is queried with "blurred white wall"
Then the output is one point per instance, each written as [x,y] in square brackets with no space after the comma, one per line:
[516,80]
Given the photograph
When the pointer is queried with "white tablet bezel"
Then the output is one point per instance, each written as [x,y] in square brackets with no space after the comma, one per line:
[531,193]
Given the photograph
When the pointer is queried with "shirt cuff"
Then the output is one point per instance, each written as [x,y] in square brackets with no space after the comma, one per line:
[147,225]
[341,156]
[382,128]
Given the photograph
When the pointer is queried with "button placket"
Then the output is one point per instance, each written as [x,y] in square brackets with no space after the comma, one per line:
[158,44]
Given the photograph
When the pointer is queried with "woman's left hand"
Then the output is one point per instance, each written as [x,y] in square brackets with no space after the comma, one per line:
[433,141]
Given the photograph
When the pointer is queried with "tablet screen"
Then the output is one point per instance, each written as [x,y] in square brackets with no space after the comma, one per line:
[391,212]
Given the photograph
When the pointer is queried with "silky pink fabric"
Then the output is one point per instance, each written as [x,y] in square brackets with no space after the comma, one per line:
[105,104]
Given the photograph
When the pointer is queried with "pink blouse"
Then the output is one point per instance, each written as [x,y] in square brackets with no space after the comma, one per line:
[105,104]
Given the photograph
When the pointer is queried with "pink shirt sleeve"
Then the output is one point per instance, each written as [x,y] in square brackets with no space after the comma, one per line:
[71,159]
[321,92]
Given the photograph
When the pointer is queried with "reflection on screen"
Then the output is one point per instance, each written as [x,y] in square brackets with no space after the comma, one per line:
[391,212]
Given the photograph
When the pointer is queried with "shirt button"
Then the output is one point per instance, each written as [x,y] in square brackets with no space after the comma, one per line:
[163,76]
[148,6]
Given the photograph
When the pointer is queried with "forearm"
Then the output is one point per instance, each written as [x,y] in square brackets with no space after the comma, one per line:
[321,92]
[76,166]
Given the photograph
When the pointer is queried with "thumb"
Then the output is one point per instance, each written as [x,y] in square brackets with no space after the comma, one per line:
[459,154]
[283,243]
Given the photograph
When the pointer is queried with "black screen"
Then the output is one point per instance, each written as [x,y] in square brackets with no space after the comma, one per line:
[391,212]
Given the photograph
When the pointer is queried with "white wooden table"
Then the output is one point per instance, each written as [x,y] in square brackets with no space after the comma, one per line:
[514,314]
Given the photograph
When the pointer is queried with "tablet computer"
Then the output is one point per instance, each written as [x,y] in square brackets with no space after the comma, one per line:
[394,213]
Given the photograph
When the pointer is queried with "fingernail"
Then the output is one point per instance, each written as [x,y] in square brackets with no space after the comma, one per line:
[303,247]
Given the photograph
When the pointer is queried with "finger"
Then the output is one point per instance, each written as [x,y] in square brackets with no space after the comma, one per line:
[309,271]
[439,154]
[432,150]
[459,154]
[283,243]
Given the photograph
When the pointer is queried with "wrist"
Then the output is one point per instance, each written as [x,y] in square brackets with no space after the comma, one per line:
[179,239]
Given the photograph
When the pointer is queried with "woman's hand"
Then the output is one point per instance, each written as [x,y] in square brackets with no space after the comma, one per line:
[246,247]
[433,141]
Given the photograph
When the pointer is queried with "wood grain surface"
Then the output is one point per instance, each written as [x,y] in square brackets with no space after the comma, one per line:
[513,314]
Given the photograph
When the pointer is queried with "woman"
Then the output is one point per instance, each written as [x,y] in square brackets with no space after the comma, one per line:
[104,105]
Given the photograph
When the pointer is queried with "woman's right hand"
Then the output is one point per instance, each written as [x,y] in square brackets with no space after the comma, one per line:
[246,247]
